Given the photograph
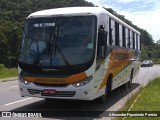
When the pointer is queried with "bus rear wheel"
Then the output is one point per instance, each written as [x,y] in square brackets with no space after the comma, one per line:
[129,83]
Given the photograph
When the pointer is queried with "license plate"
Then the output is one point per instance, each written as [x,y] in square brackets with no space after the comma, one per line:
[48,91]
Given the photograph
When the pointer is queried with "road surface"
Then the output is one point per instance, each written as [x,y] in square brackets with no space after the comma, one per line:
[10,100]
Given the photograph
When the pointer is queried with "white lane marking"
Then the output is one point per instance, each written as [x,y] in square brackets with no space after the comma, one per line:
[19,101]
[13,86]
[133,103]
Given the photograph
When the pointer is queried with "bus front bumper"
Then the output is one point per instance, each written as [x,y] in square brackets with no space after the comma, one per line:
[86,92]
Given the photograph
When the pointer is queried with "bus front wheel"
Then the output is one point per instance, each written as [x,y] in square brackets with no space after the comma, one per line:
[102,99]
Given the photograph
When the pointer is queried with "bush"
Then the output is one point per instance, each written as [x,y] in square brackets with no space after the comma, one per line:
[156,61]
[8,73]
[2,66]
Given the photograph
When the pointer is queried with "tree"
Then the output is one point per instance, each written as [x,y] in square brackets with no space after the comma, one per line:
[3,47]
[14,13]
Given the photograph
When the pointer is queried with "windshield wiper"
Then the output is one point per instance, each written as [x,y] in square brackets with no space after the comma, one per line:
[50,44]
[62,55]
[56,46]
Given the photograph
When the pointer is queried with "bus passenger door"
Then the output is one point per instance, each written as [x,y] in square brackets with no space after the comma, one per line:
[101,55]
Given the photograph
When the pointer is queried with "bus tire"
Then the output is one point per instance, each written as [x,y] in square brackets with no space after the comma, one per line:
[102,99]
[129,83]
[48,99]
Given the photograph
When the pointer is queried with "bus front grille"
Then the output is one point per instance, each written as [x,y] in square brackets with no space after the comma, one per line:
[57,94]
[51,85]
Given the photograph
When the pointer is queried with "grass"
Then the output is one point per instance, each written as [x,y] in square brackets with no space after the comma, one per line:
[130,101]
[8,72]
[149,100]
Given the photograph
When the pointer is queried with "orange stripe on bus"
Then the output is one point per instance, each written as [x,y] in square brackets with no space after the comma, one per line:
[115,66]
[69,80]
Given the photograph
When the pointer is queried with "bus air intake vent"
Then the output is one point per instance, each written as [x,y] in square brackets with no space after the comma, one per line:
[32,92]
[51,85]
[61,94]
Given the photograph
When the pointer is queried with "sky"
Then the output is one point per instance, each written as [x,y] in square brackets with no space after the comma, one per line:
[143,13]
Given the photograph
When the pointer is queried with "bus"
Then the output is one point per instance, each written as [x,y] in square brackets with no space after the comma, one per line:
[77,53]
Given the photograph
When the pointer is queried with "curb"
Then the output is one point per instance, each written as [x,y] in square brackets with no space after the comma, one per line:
[8,79]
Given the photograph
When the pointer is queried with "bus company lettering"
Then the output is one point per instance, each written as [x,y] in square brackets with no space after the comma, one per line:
[46,80]
[48,70]
[121,56]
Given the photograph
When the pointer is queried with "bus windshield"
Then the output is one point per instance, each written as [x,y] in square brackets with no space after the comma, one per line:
[60,41]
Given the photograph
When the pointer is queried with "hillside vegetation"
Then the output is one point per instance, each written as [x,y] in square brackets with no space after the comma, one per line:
[14,12]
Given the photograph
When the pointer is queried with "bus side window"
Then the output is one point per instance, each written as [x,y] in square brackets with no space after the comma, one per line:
[128,40]
[139,47]
[126,31]
[120,35]
[133,40]
[116,34]
[112,32]
[137,41]
[124,36]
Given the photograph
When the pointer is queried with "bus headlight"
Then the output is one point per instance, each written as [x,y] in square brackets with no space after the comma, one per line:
[23,80]
[83,82]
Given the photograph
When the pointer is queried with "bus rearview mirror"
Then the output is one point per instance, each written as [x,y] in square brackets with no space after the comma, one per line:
[102,51]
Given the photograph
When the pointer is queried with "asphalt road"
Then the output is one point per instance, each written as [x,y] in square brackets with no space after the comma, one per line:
[10,100]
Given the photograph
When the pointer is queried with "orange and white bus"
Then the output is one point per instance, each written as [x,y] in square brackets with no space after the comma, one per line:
[78,53]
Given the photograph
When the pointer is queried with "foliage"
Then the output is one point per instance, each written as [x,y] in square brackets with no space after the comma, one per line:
[8,72]
[154,50]
[1,67]
[14,13]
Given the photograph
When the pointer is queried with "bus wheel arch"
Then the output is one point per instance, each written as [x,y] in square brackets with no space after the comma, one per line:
[102,99]
[109,84]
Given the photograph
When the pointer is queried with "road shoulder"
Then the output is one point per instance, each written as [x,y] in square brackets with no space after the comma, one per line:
[8,79]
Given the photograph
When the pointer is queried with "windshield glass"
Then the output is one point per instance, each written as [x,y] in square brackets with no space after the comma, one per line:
[146,61]
[59,41]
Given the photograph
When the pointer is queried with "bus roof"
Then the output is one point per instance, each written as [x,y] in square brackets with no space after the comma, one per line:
[67,11]
[74,11]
